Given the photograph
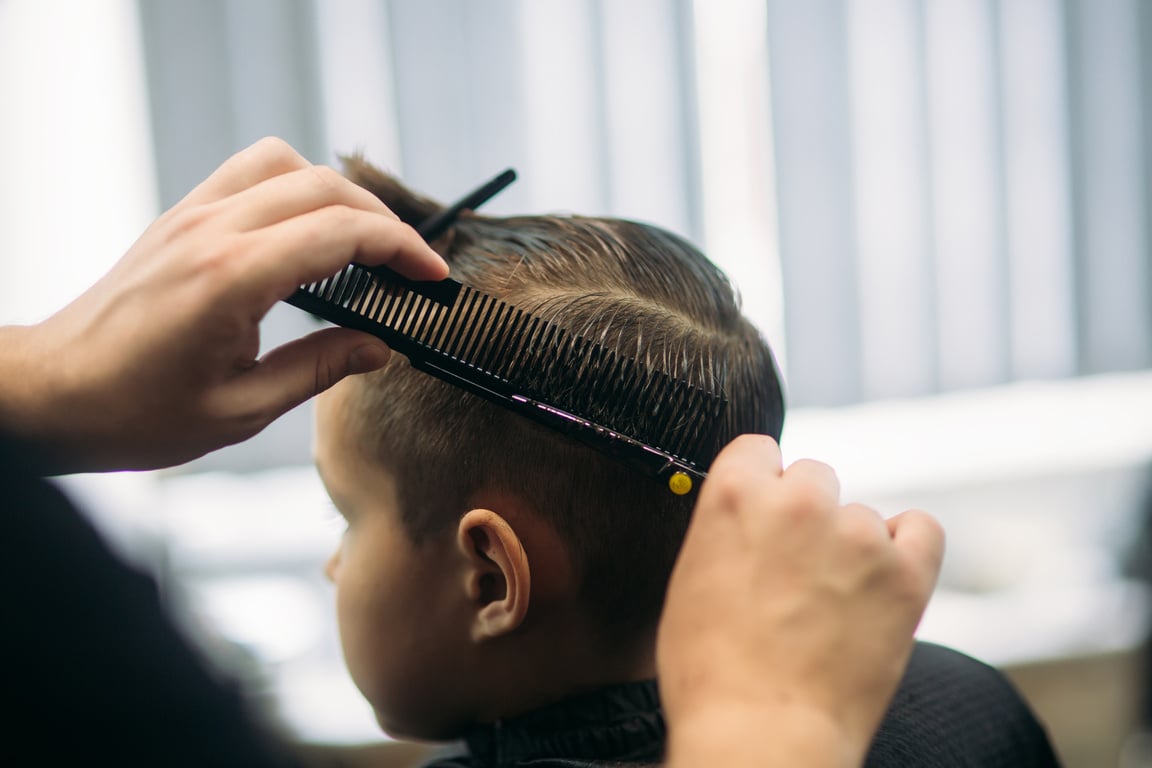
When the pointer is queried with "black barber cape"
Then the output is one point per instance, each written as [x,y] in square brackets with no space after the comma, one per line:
[950,710]
[96,674]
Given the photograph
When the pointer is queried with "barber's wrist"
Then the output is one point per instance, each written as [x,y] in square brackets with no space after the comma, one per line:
[20,385]
[31,397]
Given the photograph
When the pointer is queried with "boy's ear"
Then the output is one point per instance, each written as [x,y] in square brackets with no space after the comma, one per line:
[498,579]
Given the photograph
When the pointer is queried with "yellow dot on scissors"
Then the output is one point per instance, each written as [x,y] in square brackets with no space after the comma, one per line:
[680,483]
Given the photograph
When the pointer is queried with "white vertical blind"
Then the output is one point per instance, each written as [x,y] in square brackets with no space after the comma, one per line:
[816,206]
[560,38]
[967,195]
[1113,252]
[644,71]
[589,100]
[894,279]
[357,81]
[736,192]
[999,191]
[912,196]
[1037,202]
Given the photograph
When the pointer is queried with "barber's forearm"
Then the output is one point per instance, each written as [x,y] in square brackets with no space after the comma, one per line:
[44,406]
[25,388]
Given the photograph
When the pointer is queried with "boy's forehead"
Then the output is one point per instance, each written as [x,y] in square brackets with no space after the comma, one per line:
[338,446]
[335,448]
[335,403]
[333,427]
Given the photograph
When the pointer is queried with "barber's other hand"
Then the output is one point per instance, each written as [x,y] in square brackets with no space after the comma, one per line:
[790,618]
[157,363]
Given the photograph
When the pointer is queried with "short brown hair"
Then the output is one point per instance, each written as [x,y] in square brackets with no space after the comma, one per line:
[639,290]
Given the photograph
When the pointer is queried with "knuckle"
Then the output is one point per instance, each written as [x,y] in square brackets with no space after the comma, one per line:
[800,499]
[339,218]
[862,528]
[223,261]
[273,147]
[913,589]
[184,221]
[271,156]
[927,522]
[327,178]
[221,255]
[810,495]
[726,490]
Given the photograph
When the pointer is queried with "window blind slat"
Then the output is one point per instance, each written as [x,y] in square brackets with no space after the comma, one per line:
[967,222]
[892,200]
[813,157]
[1037,204]
[1115,311]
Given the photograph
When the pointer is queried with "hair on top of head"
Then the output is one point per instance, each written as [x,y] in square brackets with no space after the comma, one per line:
[638,290]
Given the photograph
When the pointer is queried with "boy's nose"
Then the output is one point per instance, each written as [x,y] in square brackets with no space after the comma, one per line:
[332,566]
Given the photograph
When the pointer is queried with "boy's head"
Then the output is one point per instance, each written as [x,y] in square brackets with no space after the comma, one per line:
[491,563]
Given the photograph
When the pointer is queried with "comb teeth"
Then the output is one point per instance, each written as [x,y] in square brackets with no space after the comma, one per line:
[500,350]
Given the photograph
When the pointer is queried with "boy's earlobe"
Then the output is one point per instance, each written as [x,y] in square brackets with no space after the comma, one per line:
[498,579]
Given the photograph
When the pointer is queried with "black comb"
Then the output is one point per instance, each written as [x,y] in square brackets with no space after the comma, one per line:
[434,226]
[657,423]
[645,417]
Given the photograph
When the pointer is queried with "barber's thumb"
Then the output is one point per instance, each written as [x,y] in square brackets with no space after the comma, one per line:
[368,357]
[301,369]
[335,353]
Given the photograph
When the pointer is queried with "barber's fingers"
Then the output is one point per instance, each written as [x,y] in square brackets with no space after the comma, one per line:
[294,372]
[814,482]
[266,159]
[295,193]
[748,477]
[733,495]
[318,244]
[757,457]
[747,456]
[862,525]
[919,538]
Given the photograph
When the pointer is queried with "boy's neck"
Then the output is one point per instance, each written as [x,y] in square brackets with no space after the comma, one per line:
[558,662]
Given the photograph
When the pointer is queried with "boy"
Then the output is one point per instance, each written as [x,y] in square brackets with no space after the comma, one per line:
[492,567]
[501,584]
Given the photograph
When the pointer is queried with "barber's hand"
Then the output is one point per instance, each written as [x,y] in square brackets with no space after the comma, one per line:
[157,363]
[790,618]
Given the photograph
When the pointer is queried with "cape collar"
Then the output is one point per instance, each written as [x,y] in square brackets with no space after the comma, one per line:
[617,723]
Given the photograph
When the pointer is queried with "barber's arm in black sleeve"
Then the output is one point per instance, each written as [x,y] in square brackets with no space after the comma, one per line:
[95,672]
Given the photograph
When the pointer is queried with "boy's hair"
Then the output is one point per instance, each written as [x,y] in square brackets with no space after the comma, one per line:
[638,289]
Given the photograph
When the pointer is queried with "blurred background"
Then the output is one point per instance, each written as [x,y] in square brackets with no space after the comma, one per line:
[939,212]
